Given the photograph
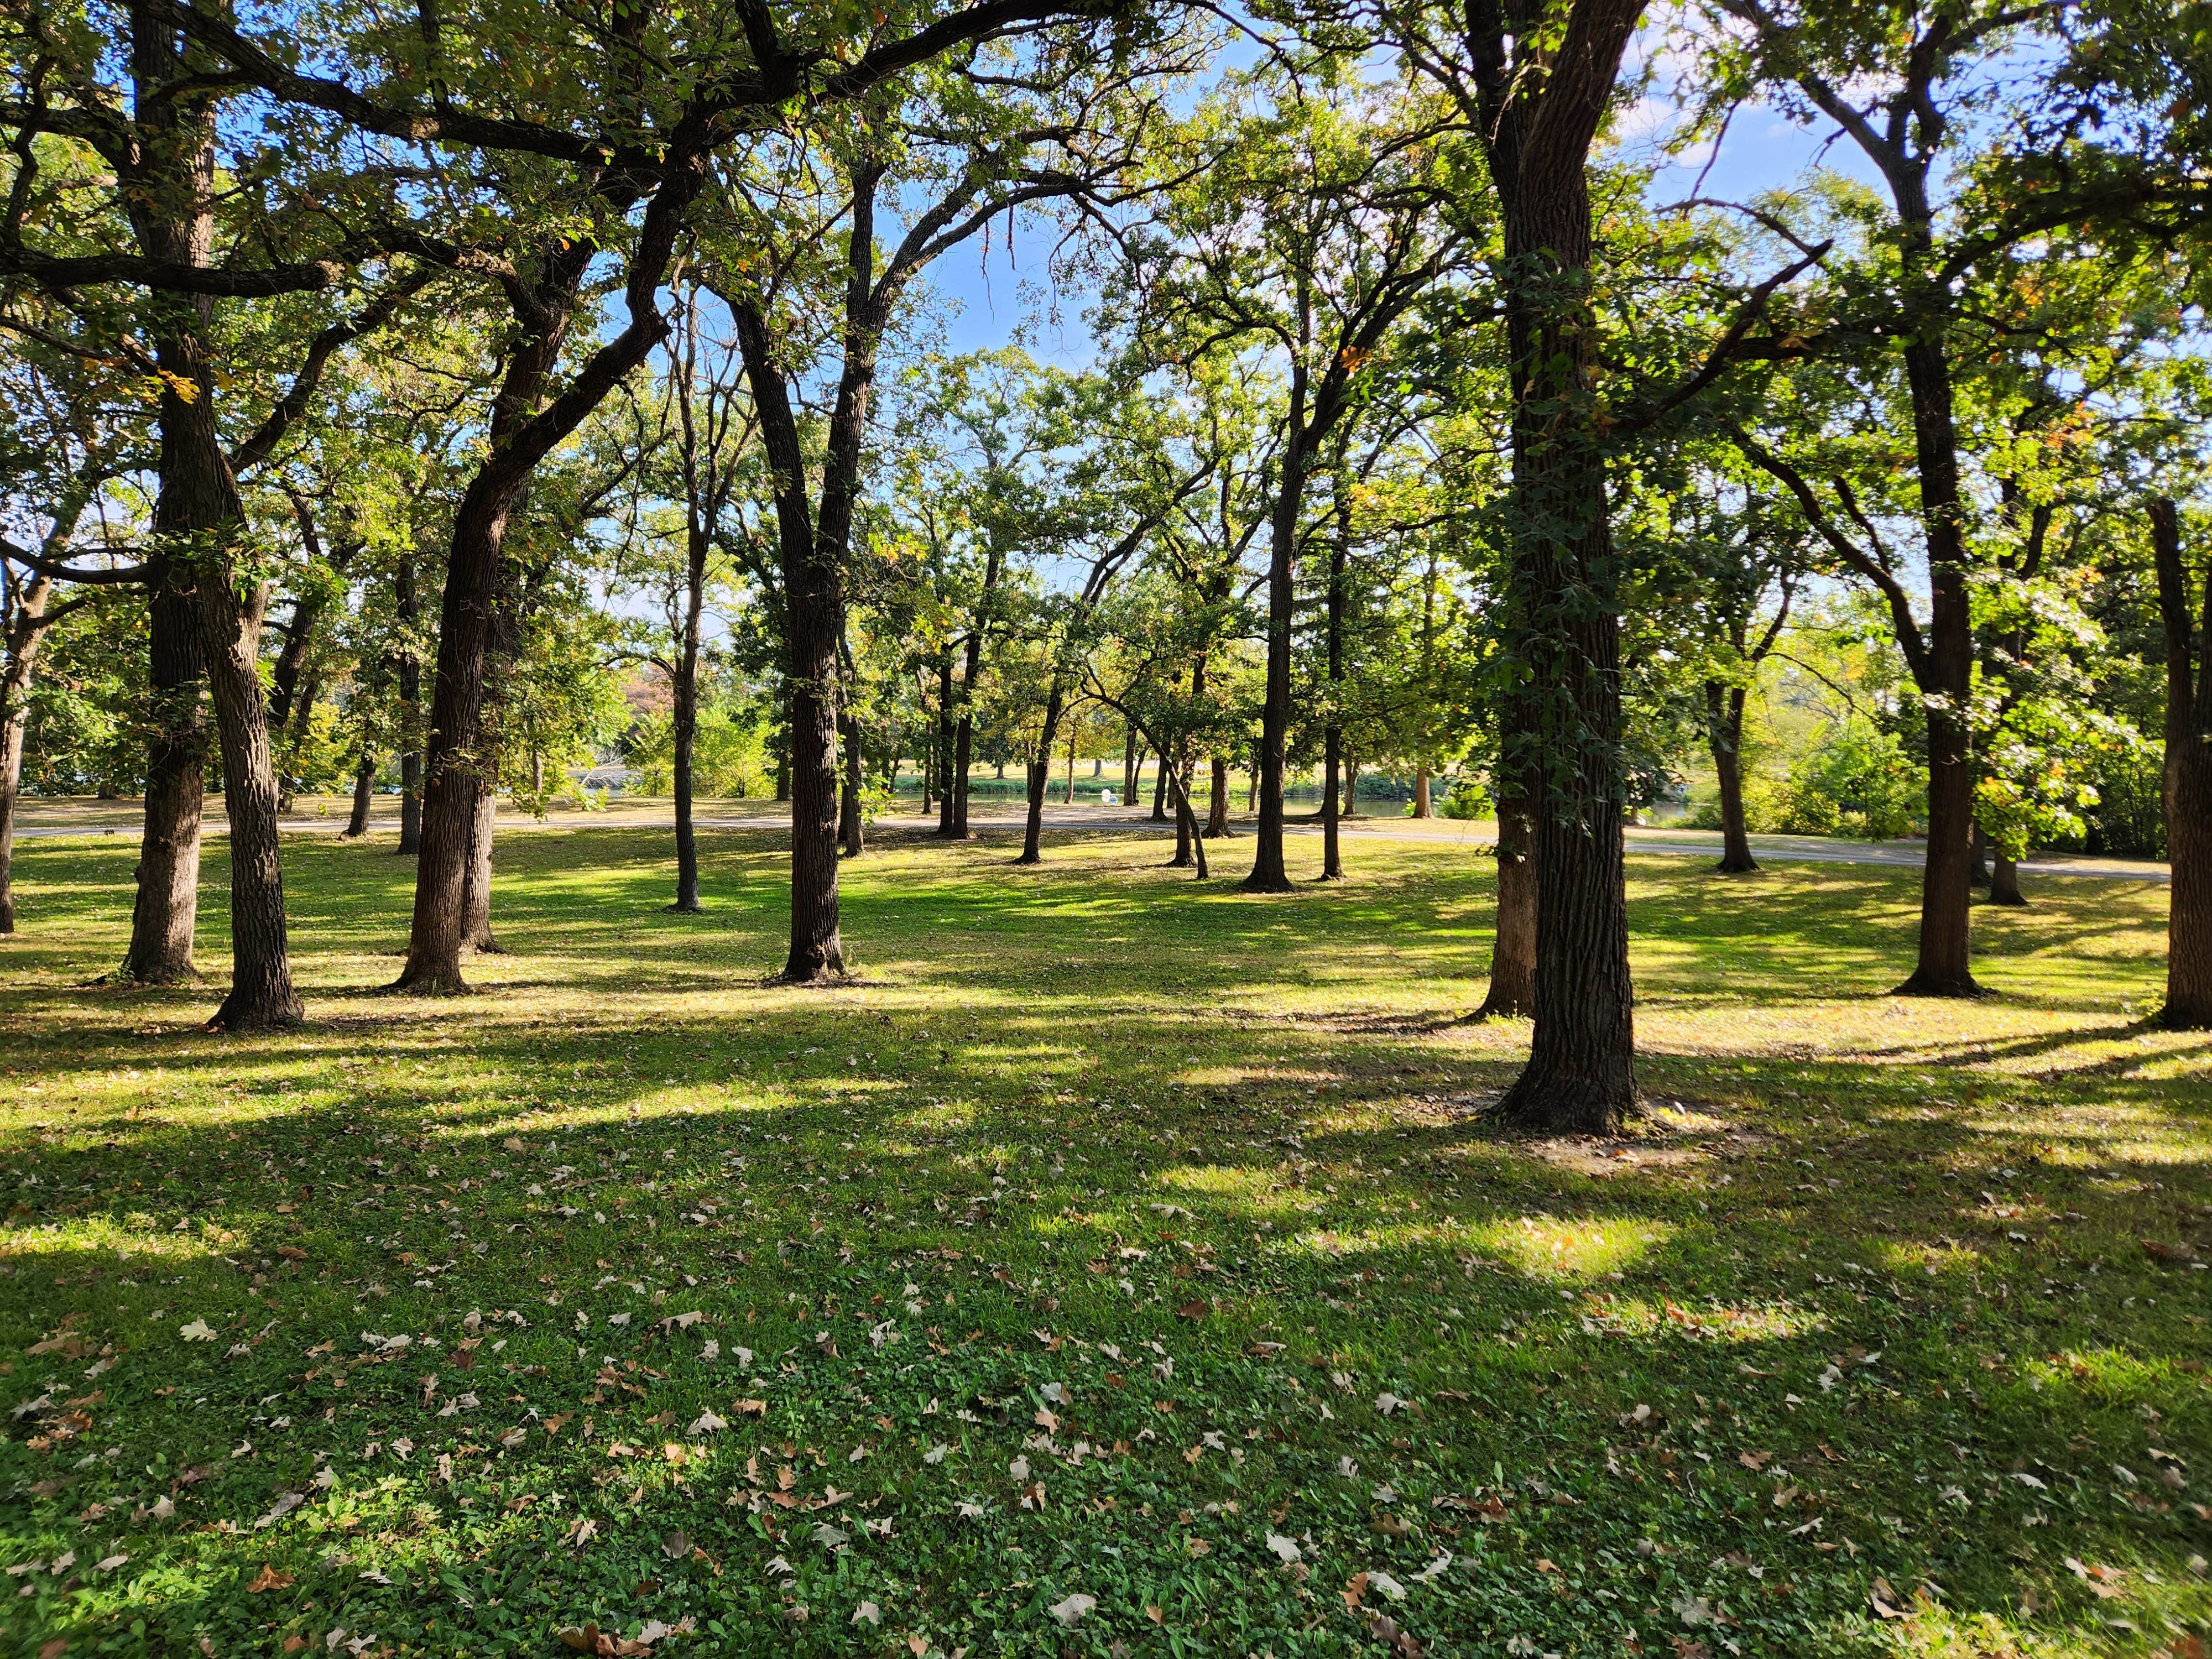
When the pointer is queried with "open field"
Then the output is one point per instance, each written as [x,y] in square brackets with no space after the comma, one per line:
[1123,1265]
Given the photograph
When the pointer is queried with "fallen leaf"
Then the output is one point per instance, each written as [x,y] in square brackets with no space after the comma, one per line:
[268,1579]
[198,1331]
[1071,1610]
[867,1613]
[1287,1549]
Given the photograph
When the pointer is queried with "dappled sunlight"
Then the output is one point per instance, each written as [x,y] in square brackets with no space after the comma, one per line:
[1214,1169]
[1543,1247]
[1622,1314]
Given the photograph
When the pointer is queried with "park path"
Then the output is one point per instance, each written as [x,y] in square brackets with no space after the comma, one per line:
[42,819]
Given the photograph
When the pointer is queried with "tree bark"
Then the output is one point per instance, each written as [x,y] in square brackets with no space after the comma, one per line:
[166,907]
[1160,791]
[525,426]
[475,890]
[1581,1071]
[2004,880]
[948,721]
[197,521]
[2188,781]
[1350,787]
[28,631]
[1129,758]
[364,784]
[1978,856]
[1725,734]
[1424,807]
[1033,828]
[1512,993]
[928,772]
[848,804]
[684,716]
[1269,874]
[1332,861]
[1217,808]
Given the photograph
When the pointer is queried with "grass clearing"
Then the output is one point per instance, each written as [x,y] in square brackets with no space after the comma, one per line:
[1117,1239]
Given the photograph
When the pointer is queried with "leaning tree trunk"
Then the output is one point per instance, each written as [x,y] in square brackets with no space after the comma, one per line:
[1129,758]
[2188,781]
[457,757]
[1033,828]
[1724,733]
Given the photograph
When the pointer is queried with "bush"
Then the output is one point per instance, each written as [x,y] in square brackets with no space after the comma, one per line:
[1468,800]
[1857,781]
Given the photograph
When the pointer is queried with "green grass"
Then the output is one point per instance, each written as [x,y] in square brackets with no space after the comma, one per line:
[1153,1188]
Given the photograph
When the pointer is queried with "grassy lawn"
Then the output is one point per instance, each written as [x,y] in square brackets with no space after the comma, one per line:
[1123,1267]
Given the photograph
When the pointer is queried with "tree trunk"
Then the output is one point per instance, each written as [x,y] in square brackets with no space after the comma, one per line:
[1252,789]
[1946,890]
[1217,808]
[166,905]
[963,738]
[364,786]
[407,605]
[1033,830]
[1423,806]
[1725,734]
[1332,860]
[948,722]
[460,757]
[849,802]
[1512,993]
[685,718]
[928,773]
[1350,787]
[1978,856]
[1187,836]
[476,891]
[1581,1071]
[261,993]
[1160,793]
[2005,881]
[24,639]
[1129,758]
[2188,781]
[1269,874]
[1067,797]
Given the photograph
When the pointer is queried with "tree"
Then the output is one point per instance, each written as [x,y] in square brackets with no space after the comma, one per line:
[1304,220]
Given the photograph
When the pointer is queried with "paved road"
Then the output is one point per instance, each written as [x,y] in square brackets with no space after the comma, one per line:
[37,819]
